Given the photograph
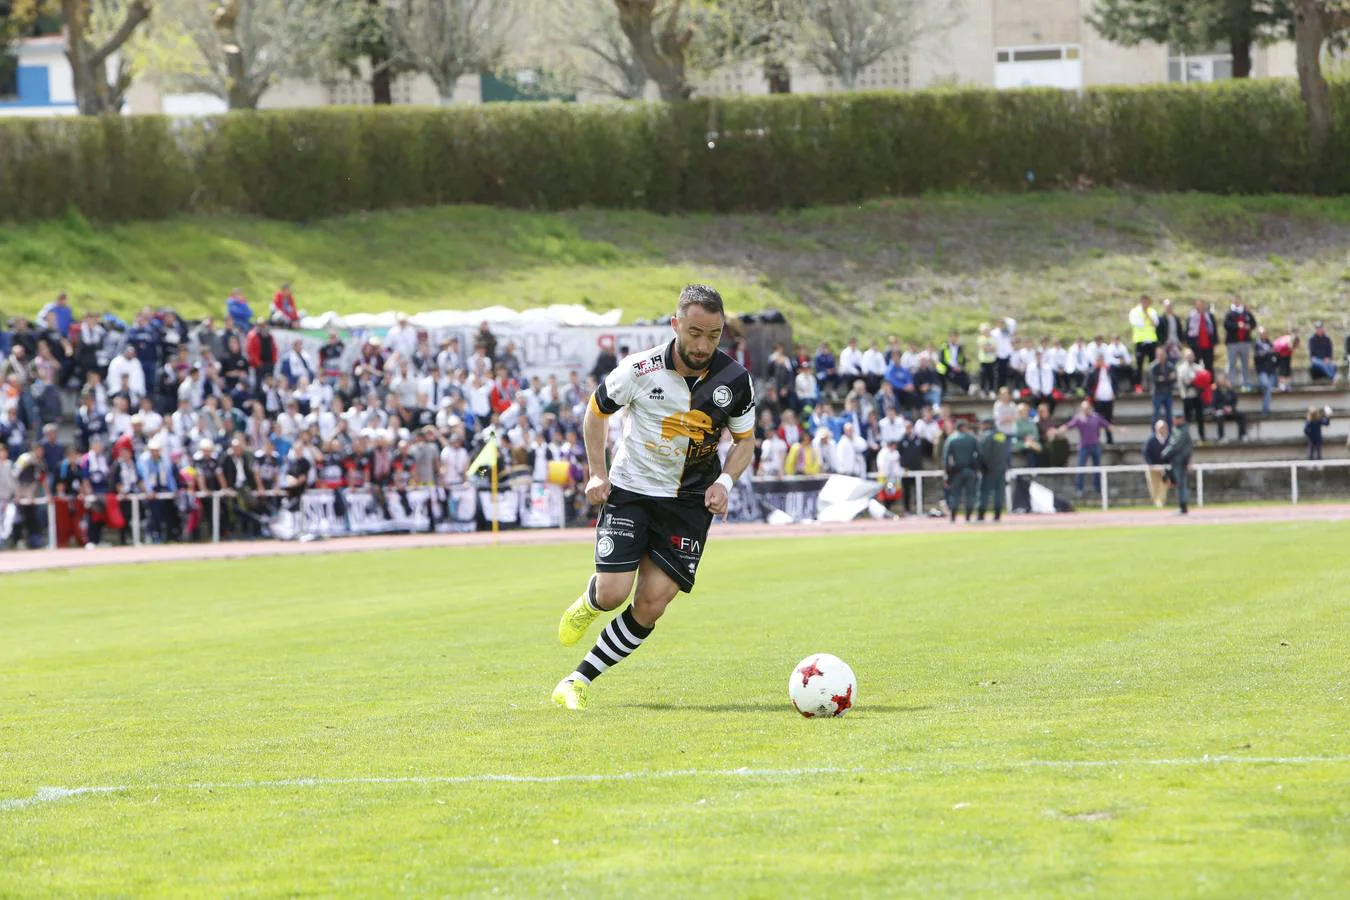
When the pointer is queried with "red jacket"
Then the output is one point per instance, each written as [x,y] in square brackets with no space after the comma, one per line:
[253,349]
[284,303]
[1204,385]
[500,398]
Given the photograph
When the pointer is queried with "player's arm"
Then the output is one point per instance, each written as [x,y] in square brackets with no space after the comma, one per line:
[610,396]
[742,453]
[594,430]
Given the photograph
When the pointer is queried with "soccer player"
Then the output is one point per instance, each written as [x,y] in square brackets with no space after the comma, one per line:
[666,484]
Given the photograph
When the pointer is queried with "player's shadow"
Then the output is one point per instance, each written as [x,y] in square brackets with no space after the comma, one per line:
[765,707]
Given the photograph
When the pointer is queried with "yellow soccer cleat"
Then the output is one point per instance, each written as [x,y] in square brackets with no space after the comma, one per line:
[570,694]
[576,620]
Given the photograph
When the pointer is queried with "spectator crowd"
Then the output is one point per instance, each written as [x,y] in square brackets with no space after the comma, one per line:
[175,410]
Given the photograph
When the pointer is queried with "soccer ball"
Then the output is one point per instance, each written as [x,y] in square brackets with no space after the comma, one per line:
[822,685]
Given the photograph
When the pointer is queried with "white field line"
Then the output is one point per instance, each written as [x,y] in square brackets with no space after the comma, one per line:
[56,794]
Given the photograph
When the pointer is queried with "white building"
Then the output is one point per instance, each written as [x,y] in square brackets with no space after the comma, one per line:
[38,80]
[995,44]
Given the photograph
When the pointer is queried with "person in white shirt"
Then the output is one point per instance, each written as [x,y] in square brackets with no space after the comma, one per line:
[1055,356]
[772,455]
[318,393]
[1076,365]
[126,370]
[1041,381]
[402,337]
[1094,350]
[928,430]
[873,367]
[824,447]
[454,460]
[850,362]
[891,429]
[849,450]
[290,423]
[1017,364]
[888,462]
[119,420]
[1003,348]
[1121,360]
[478,391]
[296,364]
[151,421]
[325,419]
[806,387]
[183,422]
[450,358]
[910,358]
[190,389]
[480,364]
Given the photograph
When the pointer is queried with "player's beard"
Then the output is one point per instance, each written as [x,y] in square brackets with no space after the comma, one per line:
[691,362]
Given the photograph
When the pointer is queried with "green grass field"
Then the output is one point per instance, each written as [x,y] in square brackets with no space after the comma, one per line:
[1143,713]
[1061,263]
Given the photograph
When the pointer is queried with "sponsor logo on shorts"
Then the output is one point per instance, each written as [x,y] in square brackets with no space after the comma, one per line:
[604,546]
[685,545]
[656,394]
[722,396]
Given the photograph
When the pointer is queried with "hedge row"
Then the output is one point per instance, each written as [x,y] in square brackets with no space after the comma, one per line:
[715,154]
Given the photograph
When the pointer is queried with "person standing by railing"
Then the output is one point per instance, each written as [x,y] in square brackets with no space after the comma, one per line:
[1153,458]
[1318,419]
[1090,426]
[1177,455]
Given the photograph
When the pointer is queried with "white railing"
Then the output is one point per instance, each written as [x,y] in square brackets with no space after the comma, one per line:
[1294,466]
[921,476]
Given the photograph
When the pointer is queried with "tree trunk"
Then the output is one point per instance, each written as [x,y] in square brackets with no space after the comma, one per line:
[661,55]
[381,82]
[94,94]
[779,78]
[241,93]
[1240,46]
[1310,33]
[381,85]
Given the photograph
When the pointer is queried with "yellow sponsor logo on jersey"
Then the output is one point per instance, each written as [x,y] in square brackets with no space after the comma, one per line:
[692,424]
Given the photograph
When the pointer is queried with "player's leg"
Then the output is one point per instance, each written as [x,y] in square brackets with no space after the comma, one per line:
[622,636]
[605,591]
[620,542]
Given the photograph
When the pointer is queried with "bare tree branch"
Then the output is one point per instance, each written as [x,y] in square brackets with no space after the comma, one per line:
[137,13]
[446,39]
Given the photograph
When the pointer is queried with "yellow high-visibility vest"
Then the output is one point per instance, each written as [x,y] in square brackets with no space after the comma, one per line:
[1144,325]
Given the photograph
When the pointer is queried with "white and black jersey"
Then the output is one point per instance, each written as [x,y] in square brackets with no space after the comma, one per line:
[672,424]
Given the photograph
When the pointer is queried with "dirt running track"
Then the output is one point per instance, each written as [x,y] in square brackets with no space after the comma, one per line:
[38,560]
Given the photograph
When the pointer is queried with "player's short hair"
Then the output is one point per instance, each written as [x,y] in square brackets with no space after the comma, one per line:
[700,295]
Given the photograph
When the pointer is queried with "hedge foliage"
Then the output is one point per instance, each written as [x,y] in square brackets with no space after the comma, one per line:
[711,154]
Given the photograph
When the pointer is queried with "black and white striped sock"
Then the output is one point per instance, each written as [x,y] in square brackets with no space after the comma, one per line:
[621,637]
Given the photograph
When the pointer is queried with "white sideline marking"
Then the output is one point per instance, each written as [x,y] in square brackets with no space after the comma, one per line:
[57,794]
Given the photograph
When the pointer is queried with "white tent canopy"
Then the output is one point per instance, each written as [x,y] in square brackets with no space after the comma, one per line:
[558,314]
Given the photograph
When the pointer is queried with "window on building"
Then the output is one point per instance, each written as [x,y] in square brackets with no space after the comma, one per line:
[1047,66]
[9,76]
[1214,64]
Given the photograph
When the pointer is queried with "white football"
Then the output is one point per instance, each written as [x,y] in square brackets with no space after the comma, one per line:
[822,685]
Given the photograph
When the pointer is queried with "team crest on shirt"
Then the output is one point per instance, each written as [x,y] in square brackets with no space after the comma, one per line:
[649,365]
[722,396]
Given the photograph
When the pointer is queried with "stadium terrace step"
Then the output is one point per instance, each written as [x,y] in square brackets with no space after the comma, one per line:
[1297,400]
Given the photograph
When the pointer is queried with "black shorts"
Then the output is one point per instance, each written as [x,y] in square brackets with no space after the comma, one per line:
[672,532]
